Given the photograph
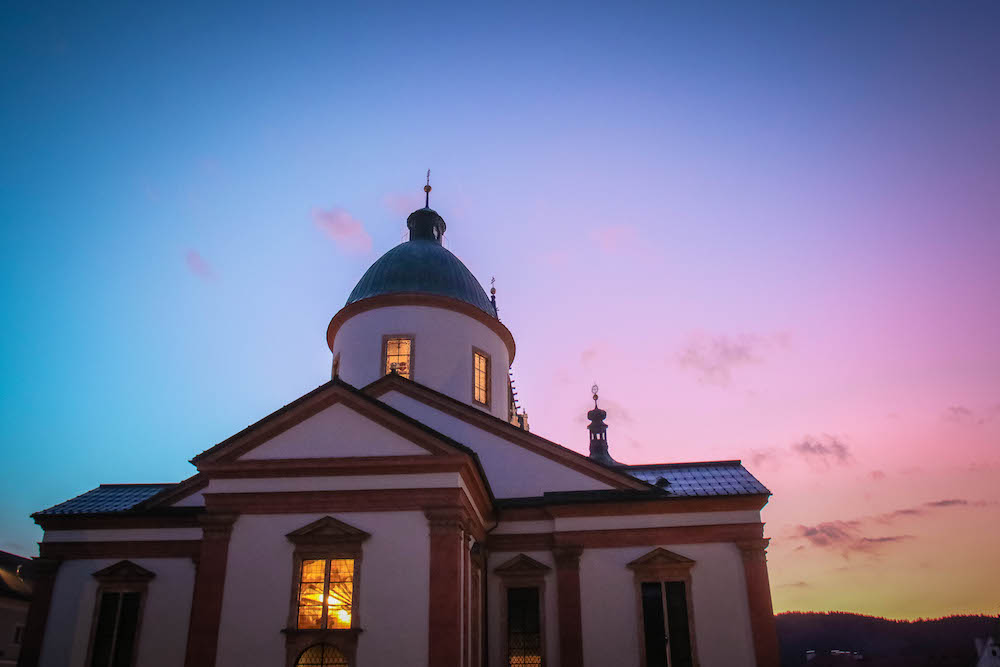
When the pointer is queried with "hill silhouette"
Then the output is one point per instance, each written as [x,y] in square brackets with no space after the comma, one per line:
[943,642]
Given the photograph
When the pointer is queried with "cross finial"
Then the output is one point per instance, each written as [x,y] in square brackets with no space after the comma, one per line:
[427,191]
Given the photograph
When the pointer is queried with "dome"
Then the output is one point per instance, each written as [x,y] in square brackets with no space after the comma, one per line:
[422,265]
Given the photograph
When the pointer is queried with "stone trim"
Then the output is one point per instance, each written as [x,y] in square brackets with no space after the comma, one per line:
[570,608]
[209,586]
[45,571]
[765,634]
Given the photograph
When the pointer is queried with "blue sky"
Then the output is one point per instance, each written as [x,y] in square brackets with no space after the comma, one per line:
[806,192]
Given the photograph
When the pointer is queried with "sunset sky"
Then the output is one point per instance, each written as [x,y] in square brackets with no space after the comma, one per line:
[767,232]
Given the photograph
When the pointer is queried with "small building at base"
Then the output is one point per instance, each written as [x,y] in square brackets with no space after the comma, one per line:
[402,514]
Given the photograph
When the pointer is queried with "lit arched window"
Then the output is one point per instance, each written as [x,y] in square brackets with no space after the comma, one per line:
[321,655]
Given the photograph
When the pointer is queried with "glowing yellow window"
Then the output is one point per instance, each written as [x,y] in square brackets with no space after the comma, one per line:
[326,594]
[480,378]
[398,350]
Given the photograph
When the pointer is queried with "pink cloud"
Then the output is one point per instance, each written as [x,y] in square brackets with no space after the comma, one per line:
[346,231]
[198,265]
[615,238]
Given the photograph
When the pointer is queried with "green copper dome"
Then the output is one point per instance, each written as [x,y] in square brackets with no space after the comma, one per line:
[422,265]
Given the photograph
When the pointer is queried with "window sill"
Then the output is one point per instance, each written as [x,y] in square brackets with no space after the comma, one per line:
[318,635]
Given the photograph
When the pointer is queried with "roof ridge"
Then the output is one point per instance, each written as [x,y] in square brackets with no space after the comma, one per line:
[688,464]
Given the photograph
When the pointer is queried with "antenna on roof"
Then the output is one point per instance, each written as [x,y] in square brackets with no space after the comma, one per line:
[493,296]
[427,191]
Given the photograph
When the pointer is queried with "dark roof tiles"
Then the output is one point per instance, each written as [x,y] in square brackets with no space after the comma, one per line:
[716,478]
[107,498]
[425,267]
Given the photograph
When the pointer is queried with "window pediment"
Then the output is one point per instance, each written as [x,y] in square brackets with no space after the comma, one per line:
[659,563]
[521,566]
[327,532]
[124,572]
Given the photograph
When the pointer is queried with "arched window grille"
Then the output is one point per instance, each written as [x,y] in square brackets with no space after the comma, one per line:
[322,655]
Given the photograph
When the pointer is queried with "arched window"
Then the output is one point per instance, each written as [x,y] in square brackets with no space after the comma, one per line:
[321,655]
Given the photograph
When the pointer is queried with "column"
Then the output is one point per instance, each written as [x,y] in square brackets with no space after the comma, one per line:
[570,610]
[765,634]
[44,571]
[209,585]
[444,640]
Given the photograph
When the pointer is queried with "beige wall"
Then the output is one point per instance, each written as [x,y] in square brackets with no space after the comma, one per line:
[611,619]
[512,470]
[165,613]
[442,356]
[393,587]
[335,431]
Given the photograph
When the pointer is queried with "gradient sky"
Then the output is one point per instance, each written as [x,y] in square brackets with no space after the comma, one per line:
[768,232]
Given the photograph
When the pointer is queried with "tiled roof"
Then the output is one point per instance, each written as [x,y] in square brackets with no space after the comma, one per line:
[715,478]
[107,498]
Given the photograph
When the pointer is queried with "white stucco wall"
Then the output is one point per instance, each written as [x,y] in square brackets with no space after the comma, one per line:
[165,613]
[442,350]
[627,521]
[393,587]
[611,619]
[337,431]
[513,471]
[495,604]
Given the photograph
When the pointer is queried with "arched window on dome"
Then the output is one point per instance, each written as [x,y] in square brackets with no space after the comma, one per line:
[322,655]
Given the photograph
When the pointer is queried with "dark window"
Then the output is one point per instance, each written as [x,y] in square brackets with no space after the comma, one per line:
[524,628]
[18,633]
[665,624]
[114,638]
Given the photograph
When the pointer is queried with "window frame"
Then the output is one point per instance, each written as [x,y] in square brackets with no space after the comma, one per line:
[326,539]
[383,368]
[522,571]
[121,577]
[489,378]
[661,566]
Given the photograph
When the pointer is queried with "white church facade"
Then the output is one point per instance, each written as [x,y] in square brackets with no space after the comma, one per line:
[403,514]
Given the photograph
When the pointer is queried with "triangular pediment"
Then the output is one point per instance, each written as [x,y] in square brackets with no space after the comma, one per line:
[327,530]
[660,558]
[522,565]
[333,421]
[124,571]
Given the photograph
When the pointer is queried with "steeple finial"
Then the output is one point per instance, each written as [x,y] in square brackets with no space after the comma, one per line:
[427,191]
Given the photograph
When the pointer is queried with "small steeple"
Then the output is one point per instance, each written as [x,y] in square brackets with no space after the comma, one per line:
[599,433]
[425,224]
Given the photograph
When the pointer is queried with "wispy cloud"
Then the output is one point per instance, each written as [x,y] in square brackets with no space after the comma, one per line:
[876,475]
[824,450]
[198,265]
[714,358]
[960,414]
[846,537]
[951,502]
[346,231]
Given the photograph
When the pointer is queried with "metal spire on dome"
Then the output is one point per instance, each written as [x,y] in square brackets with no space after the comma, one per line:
[427,191]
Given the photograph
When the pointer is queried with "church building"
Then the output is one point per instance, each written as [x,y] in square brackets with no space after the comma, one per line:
[403,515]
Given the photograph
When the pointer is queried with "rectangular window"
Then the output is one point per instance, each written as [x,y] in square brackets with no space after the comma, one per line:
[326,594]
[524,628]
[398,350]
[114,638]
[18,634]
[666,632]
[480,377]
